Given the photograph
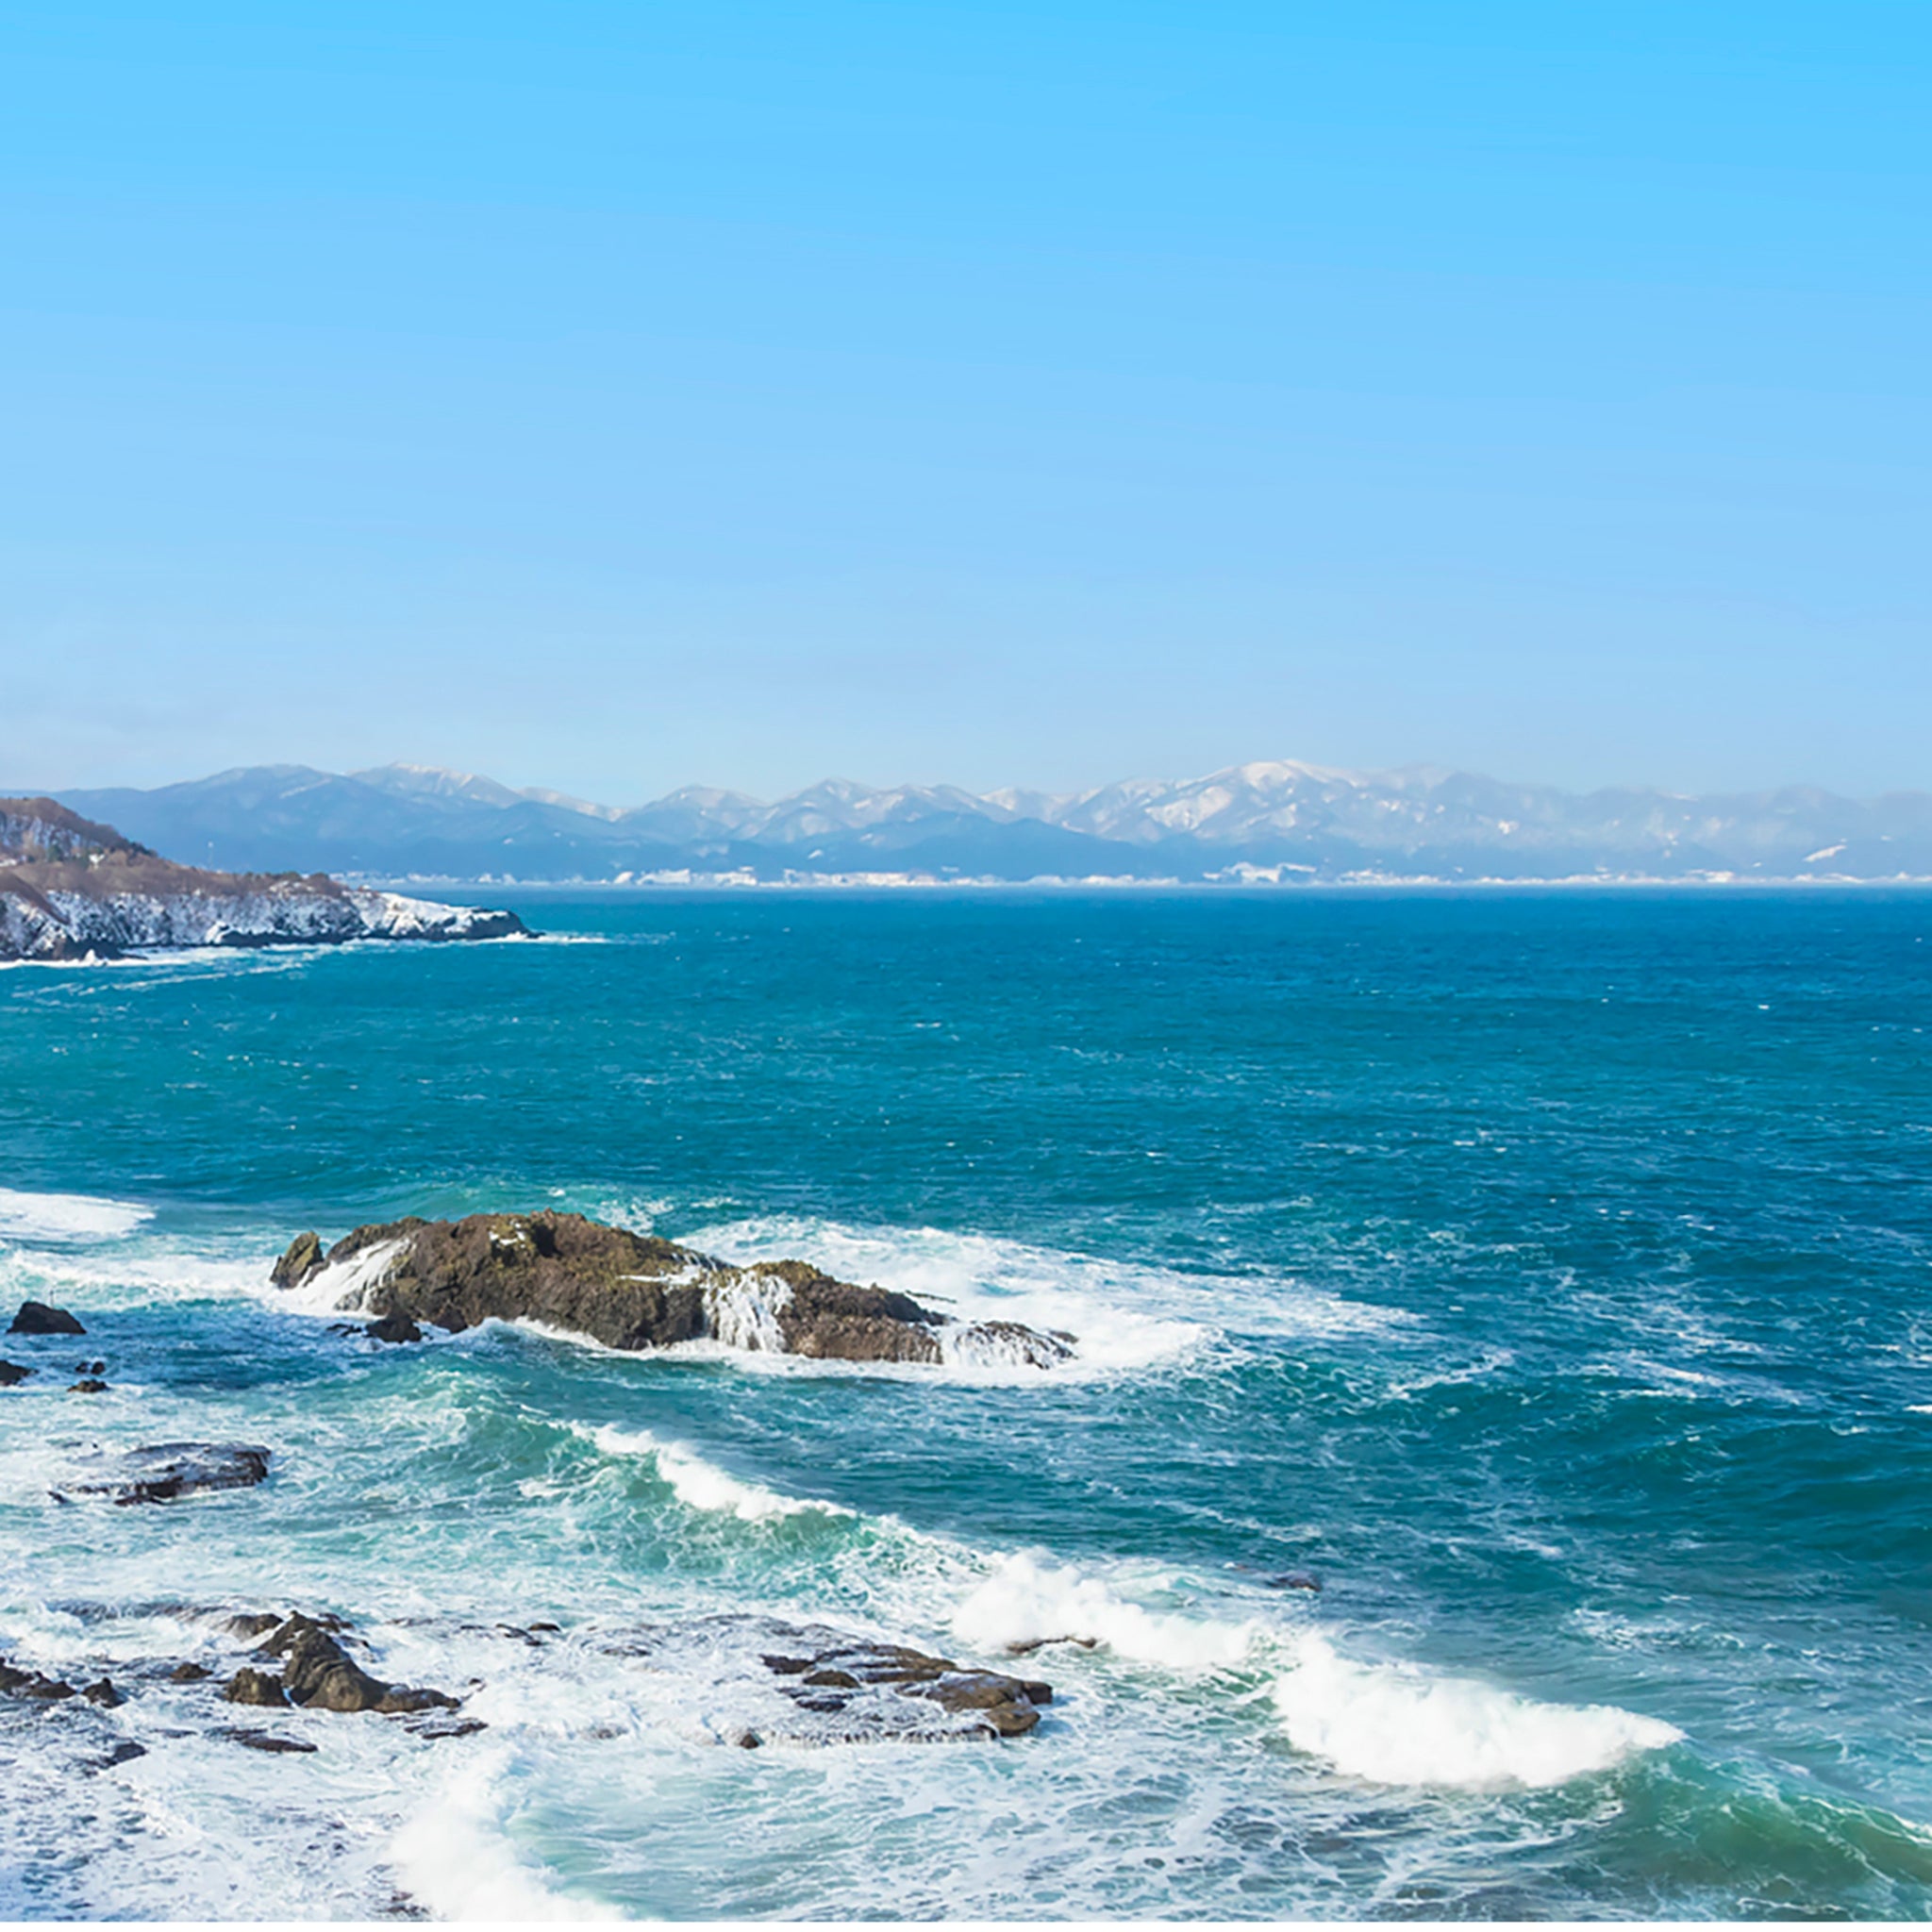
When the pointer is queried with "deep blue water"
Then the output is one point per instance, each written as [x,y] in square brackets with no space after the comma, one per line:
[1548,1273]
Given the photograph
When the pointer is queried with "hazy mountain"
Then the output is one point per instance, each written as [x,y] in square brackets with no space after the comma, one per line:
[1277,819]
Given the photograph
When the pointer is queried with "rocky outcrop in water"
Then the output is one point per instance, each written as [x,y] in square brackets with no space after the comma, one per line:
[768,1682]
[31,1685]
[37,1318]
[634,1292]
[835,1679]
[318,1674]
[11,1373]
[163,1472]
[71,889]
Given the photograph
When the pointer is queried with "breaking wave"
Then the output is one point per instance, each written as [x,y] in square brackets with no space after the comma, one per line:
[700,1484]
[1393,1724]
[1027,1601]
[66,1217]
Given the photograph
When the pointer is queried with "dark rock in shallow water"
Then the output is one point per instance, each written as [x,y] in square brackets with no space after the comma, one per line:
[30,1684]
[300,1260]
[102,1693]
[36,1318]
[89,1368]
[1033,1644]
[249,1686]
[249,1623]
[161,1471]
[189,1673]
[447,1727]
[11,1372]
[634,1292]
[827,1686]
[266,1741]
[320,1675]
[87,1386]
[393,1328]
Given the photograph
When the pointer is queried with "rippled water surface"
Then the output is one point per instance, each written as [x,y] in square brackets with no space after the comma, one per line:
[1547,1274]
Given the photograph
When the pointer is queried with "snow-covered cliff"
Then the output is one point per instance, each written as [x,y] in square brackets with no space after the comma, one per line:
[69,887]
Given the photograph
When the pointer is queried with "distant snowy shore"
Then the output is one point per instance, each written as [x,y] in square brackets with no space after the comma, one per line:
[71,889]
[1252,879]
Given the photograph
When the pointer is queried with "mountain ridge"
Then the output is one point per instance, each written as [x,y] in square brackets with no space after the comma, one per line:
[1266,820]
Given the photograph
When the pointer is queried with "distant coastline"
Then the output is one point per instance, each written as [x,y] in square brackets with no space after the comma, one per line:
[1254,827]
[834,883]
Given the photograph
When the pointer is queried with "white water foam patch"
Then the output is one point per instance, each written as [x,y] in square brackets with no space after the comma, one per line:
[745,1314]
[1122,1317]
[1026,1602]
[1395,1725]
[95,1277]
[341,1287]
[67,1217]
[456,1855]
[700,1484]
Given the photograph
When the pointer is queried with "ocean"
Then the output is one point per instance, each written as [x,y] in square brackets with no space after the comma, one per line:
[1547,1274]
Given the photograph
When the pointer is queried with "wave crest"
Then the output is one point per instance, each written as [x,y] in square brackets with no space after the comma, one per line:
[1394,1726]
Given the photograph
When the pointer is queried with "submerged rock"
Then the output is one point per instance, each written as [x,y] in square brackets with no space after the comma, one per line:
[267,1741]
[11,1373]
[37,1318]
[635,1291]
[88,1385]
[828,1687]
[161,1471]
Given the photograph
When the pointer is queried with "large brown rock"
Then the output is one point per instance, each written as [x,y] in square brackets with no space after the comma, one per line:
[635,1291]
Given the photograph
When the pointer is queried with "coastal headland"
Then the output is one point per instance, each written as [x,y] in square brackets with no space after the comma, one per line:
[71,888]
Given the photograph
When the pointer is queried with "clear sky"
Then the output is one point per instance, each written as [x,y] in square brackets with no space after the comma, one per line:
[615,396]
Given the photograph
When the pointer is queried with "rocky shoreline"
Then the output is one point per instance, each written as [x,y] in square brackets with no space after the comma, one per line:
[804,1684]
[632,1292]
[71,890]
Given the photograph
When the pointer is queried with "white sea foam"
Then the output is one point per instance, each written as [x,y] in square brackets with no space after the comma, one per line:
[66,1217]
[1027,1601]
[745,1314]
[342,1285]
[700,1484]
[1393,1724]
[456,1858]
[1123,1318]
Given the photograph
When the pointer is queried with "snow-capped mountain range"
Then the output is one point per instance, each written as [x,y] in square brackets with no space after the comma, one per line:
[1278,822]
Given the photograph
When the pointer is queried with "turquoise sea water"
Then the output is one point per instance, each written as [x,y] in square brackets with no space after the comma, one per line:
[1548,1273]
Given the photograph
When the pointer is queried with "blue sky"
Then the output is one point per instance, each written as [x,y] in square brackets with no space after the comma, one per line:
[617,397]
